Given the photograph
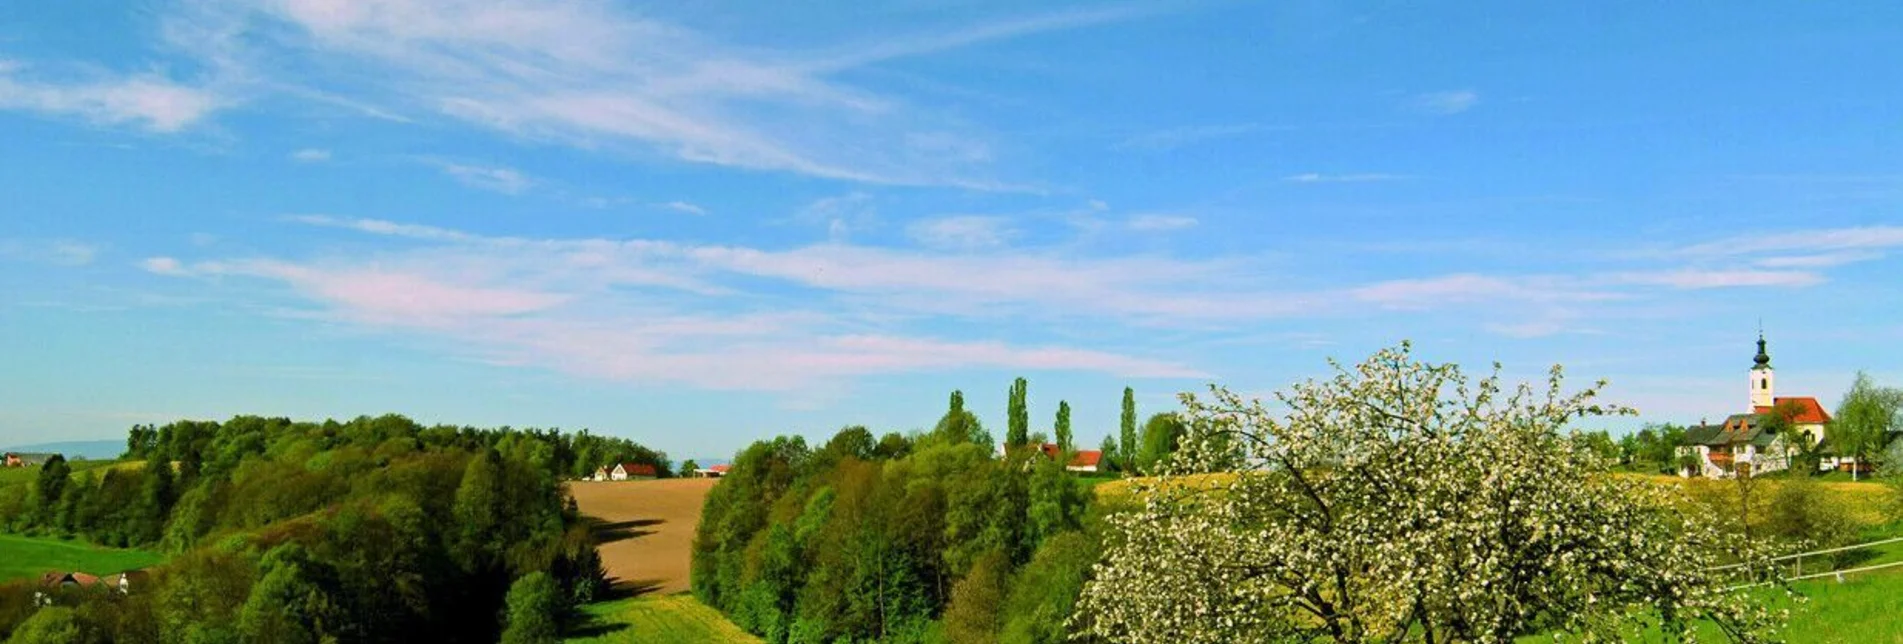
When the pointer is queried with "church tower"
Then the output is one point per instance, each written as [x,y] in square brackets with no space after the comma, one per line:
[1761,378]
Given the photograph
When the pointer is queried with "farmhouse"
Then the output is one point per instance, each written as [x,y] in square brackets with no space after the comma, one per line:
[1087,461]
[1749,442]
[631,471]
[23,459]
[711,472]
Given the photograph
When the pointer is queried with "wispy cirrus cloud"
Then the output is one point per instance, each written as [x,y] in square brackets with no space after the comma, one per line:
[149,101]
[962,232]
[57,252]
[508,181]
[742,317]
[652,311]
[1446,102]
[311,155]
[599,76]
[1176,137]
[1157,222]
[682,206]
[1362,177]
[1858,238]
[1721,278]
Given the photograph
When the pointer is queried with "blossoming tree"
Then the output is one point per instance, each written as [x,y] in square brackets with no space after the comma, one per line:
[1402,501]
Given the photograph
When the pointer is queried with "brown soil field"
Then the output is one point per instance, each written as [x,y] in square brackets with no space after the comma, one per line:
[645,528]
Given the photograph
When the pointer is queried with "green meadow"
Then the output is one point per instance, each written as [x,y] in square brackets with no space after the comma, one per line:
[28,557]
[11,475]
[657,620]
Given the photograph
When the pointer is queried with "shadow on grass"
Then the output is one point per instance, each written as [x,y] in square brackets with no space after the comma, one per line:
[612,531]
[629,588]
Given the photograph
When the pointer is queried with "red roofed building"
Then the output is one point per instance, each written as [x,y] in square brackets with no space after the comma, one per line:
[713,472]
[1088,461]
[1747,442]
[632,471]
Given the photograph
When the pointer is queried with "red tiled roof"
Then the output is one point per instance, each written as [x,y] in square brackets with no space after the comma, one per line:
[1086,458]
[1083,458]
[1809,411]
[637,469]
[719,468]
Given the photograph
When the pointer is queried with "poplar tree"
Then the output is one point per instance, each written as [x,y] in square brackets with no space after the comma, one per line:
[1129,445]
[1062,428]
[1019,431]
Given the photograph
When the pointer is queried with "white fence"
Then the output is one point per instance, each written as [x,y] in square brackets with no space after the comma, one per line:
[1798,561]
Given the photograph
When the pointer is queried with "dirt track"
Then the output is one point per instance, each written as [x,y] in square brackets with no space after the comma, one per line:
[646,530]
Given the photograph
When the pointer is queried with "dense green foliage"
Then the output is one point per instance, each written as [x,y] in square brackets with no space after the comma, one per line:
[534,602]
[857,542]
[1061,429]
[376,529]
[1128,444]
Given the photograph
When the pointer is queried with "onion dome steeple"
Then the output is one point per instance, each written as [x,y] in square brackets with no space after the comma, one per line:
[1763,359]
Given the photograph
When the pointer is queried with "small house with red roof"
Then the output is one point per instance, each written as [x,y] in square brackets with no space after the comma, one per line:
[1087,461]
[712,472]
[632,471]
[1749,442]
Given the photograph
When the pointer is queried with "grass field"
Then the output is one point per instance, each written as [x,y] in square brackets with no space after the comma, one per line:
[11,475]
[28,557]
[658,619]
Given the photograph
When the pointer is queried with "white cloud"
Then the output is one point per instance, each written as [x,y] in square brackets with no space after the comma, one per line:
[1864,238]
[149,101]
[1471,288]
[164,266]
[1817,260]
[1172,138]
[1159,222]
[1448,102]
[682,206]
[311,155]
[963,232]
[507,181]
[1692,278]
[57,252]
[1316,177]
[599,76]
[841,215]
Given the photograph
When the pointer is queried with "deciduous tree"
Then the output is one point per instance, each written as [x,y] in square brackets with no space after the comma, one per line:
[1402,501]
[1865,420]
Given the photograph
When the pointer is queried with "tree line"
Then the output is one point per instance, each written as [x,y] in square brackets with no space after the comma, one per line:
[936,535]
[375,529]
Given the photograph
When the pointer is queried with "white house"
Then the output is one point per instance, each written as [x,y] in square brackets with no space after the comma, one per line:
[1744,442]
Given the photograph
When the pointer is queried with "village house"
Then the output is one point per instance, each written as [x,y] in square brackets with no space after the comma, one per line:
[631,472]
[711,472]
[1088,461]
[1746,442]
[23,459]
[55,582]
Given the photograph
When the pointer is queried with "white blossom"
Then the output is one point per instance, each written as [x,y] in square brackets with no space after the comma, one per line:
[1401,501]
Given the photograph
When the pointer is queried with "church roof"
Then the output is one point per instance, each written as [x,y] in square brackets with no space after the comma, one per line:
[1807,411]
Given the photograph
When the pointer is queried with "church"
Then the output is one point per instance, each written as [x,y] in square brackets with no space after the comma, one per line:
[1746,442]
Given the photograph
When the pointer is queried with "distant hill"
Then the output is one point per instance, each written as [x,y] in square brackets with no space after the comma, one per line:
[92,450]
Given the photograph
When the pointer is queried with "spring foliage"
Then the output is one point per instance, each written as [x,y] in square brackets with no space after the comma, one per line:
[1403,501]
[376,529]
[899,540]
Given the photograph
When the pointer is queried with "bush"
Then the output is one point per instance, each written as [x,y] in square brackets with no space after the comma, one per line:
[1803,512]
[533,602]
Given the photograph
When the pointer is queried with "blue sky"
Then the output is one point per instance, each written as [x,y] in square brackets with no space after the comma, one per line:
[696,225]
